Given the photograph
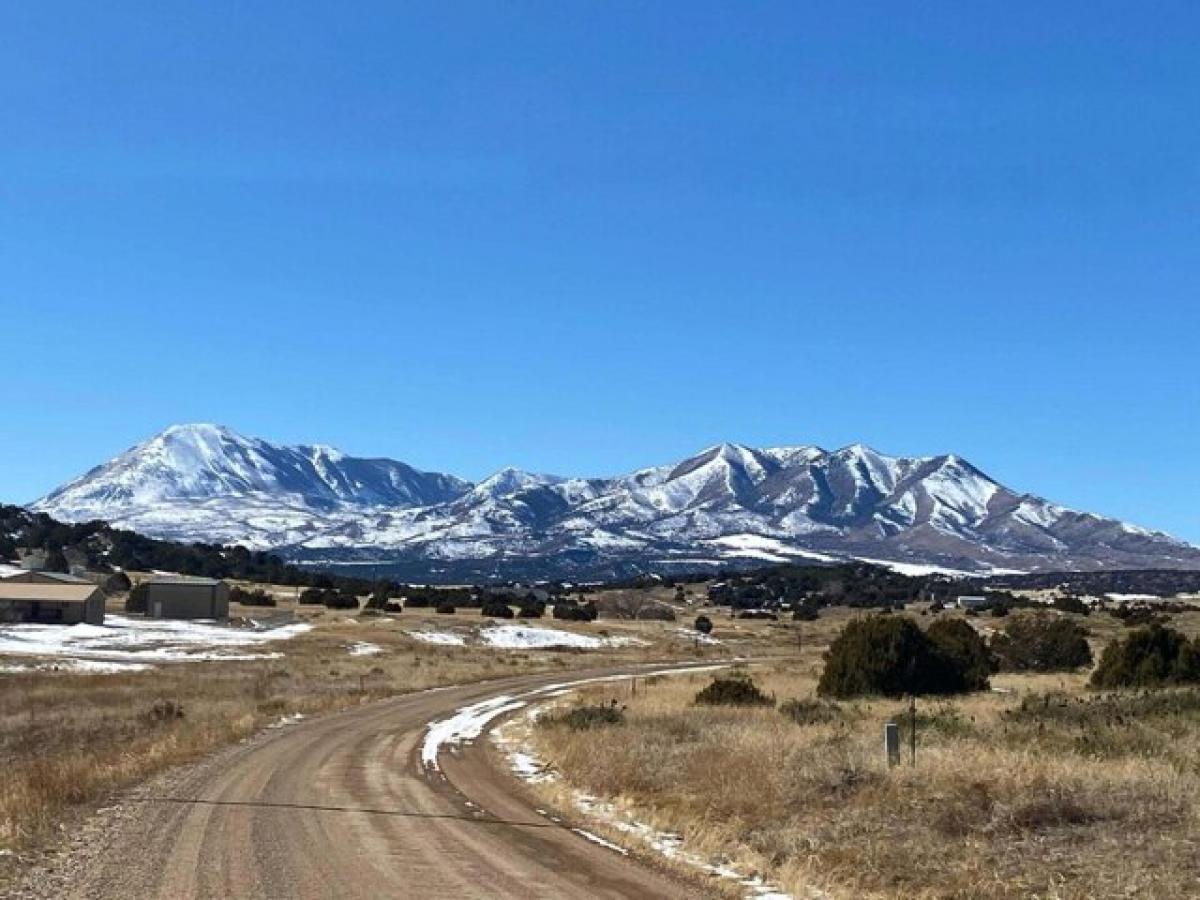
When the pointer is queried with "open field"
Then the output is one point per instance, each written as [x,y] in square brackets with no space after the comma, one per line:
[1039,788]
[1024,791]
[71,737]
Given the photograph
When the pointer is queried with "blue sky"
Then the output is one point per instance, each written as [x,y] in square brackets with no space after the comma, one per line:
[587,237]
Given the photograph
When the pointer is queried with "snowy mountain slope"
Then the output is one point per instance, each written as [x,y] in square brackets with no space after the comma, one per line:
[199,463]
[728,503]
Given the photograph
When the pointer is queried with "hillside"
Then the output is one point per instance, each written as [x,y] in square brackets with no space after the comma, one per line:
[727,505]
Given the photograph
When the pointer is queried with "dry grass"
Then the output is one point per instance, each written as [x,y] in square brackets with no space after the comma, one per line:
[69,740]
[1081,800]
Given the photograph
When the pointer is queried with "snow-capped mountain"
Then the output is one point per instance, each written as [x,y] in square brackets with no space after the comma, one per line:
[727,504]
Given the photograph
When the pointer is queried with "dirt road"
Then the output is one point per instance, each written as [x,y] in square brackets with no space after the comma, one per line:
[343,807]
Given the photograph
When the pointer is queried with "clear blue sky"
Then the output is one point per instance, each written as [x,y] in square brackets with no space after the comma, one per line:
[586,237]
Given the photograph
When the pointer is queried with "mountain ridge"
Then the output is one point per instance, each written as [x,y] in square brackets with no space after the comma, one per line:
[727,503]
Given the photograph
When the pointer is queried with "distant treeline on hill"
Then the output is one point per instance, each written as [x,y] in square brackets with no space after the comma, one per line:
[103,548]
[850,584]
[1160,582]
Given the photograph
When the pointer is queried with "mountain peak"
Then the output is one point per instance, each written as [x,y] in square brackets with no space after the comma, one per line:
[203,481]
[202,462]
[509,480]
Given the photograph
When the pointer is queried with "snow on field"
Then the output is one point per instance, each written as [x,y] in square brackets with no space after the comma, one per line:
[126,640]
[444,638]
[364,648]
[523,637]
[692,634]
[1132,598]
[529,637]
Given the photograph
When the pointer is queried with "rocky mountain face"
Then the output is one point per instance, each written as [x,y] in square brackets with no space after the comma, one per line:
[729,504]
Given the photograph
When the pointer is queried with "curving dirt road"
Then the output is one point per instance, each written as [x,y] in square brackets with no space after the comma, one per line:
[342,807]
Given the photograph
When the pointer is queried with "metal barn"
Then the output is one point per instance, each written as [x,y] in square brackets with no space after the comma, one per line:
[181,597]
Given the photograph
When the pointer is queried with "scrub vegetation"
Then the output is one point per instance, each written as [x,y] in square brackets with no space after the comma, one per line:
[1043,786]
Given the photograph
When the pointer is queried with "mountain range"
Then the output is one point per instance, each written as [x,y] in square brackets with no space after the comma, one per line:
[727,505]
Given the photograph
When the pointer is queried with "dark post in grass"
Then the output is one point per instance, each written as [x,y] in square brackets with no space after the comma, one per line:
[912,728]
[891,743]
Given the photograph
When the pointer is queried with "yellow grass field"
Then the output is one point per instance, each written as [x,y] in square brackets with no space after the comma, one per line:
[1072,796]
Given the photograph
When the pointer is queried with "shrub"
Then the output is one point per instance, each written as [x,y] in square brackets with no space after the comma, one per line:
[889,656]
[340,600]
[962,645]
[446,608]
[136,601]
[1071,604]
[1042,643]
[809,712]
[164,711]
[312,596]
[806,612]
[496,608]
[575,612]
[1137,616]
[581,718]
[736,689]
[531,607]
[1149,657]
[703,624]
[256,597]
[116,583]
[757,614]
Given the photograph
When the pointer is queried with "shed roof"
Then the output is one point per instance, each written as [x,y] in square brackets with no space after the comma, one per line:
[53,576]
[51,593]
[182,579]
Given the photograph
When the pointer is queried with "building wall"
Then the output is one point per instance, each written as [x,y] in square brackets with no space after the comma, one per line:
[94,609]
[54,612]
[187,601]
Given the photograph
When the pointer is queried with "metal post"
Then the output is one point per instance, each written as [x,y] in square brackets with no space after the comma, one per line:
[912,729]
[891,743]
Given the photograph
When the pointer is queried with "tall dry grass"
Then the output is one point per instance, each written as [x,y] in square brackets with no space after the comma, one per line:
[1001,803]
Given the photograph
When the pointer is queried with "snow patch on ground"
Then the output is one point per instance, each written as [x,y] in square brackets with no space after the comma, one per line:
[529,637]
[692,634]
[124,639]
[442,638]
[464,726]
[364,648]
[596,839]
[288,720]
